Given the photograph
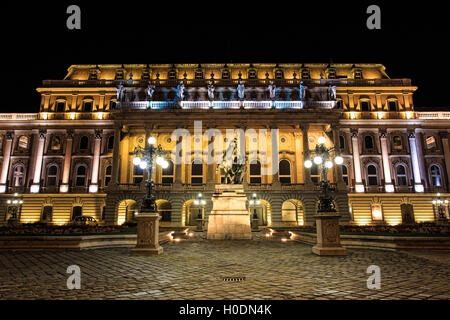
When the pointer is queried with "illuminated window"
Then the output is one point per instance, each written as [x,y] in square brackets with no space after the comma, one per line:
[55,143]
[80,176]
[138,174]
[87,106]
[23,143]
[84,143]
[255,171]
[284,171]
[196,172]
[345,174]
[377,212]
[60,106]
[108,173]
[372,175]
[167,173]
[18,176]
[365,105]
[431,142]
[436,177]
[392,105]
[401,175]
[397,143]
[368,142]
[52,175]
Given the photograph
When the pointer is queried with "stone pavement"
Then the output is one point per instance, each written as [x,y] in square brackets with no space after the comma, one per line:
[195,269]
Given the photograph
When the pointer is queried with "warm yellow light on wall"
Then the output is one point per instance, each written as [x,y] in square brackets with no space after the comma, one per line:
[409,114]
[100,115]
[352,115]
[72,116]
[380,115]
[45,115]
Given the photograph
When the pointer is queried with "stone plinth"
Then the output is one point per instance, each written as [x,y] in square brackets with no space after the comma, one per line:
[229,218]
[328,235]
[148,234]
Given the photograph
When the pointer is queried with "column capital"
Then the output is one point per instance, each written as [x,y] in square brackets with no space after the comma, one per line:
[411,135]
[9,135]
[98,134]
[383,135]
[69,134]
[42,134]
[354,134]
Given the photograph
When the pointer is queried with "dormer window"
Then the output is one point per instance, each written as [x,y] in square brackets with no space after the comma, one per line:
[365,105]
[252,74]
[392,105]
[172,74]
[60,106]
[279,74]
[225,74]
[306,74]
[87,106]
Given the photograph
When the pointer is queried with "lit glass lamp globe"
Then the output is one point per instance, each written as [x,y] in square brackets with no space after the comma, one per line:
[258,202]
[143,164]
[328,164]
[159,161]
[203,202]
[196,202]
[434,201]
[165,164]
[136,161]
[308,163]
[321,140]
[250,202]
[339,160]
[151,140]
[317,160]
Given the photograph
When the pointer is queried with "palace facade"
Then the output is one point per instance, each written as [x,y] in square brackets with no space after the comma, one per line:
[75,156]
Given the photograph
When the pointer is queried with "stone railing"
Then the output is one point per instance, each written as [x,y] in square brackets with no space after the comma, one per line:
[433,115]
[19,116]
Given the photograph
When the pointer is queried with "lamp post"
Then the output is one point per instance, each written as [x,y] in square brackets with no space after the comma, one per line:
[148,218]
[327,219]
[14,208]
[200,203]
[253,203]
[441,206]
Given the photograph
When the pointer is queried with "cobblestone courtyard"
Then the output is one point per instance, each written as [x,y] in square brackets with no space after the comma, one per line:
[195,270]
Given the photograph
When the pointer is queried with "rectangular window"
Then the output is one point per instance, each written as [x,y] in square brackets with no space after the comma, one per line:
[365,106]
[392,105]
[431,142]
[377,212]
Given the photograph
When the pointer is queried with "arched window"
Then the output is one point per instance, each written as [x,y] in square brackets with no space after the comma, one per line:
[252,74]
[365,105]
[138,174]
[55,143]
[23,143]
[345,174]
[84,143]
[255,171]
[60,106]
[368,142]
[435,175]
[401,175]
[196,172]
[284,168]
[87,106]
[341,142]
[52,175]
[167,173]
[397,143]
[108,172]
[111,143]
[80,176]
[19,175]
[392,105]
[225,74]
[279,74]
[372,175]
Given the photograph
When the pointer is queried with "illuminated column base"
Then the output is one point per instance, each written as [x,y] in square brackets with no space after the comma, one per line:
[64,188]
[389,188]
[34,188]
[2,189]
[93,188]
[359,188]
[418,188]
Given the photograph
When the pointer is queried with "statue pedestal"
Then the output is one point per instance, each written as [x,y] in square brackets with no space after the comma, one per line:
[328,236]
[199,224]
[148,234]
[255,224]
[229,218]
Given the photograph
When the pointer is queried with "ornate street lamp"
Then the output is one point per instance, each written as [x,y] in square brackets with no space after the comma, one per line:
[441,206]
[254,203]
[200,203]
[148,218]
[14,208]
[327,219]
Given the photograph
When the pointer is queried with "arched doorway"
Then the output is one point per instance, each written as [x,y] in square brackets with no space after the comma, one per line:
[263,212]
[164,208]
[189,213]
[126,211]
[292,213]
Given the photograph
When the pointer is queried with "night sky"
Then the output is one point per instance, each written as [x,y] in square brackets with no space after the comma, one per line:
[36,44]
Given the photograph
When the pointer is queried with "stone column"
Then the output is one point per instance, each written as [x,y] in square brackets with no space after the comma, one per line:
[378,99]
[388,186]
[210,181]
[418,186]
[116,157]
[6,159]
[338,168]
[299,159]
[445,145]
[178,163]
[93,187]
[359,187]
[67,161]
[35,187]
[308,182]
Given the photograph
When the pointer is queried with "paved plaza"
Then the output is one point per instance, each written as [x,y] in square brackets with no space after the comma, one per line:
[196,269]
